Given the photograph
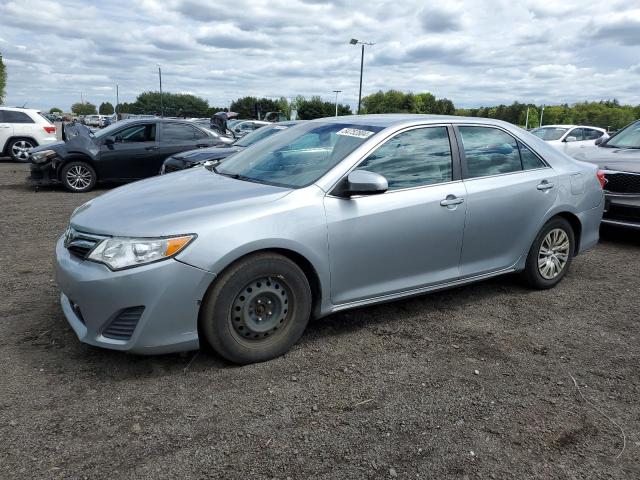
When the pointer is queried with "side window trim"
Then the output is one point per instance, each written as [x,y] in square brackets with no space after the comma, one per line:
[463,158]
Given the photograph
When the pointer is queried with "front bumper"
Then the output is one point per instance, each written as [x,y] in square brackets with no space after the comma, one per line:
[43,174]
[622,210]
[168,293]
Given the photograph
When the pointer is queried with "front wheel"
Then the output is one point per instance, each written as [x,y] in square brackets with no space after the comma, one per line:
[257,309]
[78,177]
[550,255]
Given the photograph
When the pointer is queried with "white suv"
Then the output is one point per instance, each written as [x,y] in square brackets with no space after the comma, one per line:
[21,129]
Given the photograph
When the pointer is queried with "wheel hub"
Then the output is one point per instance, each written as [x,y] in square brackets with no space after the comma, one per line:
[553,254]
[260,309]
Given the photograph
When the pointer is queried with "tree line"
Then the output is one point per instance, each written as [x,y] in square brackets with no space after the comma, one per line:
[605,113]
[187,105]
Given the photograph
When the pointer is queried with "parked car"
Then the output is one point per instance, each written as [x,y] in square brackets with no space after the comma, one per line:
[22,129]
[619,157]
[192,158]
[125,151]
[570,138]
[92,120]
[241,127]
[329,215]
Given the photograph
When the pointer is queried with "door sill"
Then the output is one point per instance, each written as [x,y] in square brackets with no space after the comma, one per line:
[419,291]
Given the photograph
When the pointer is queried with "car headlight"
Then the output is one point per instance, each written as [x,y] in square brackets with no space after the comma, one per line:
[42,156]
[118,253]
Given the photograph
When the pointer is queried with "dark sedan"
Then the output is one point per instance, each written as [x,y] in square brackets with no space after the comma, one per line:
[125,151]
[196,157]
[619,158]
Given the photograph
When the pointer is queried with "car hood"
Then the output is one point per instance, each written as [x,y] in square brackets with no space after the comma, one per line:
[77,139]
[621,159]
[171,204]
[204,154]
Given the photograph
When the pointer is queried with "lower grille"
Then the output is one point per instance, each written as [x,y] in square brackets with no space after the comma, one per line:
[123,326]
[622,182]
[622,213]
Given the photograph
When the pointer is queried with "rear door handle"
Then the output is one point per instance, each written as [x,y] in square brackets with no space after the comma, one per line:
[544,185]
[202,145]
[151,148]
[451,200]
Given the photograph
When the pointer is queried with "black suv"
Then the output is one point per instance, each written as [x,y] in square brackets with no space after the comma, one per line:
[125,151]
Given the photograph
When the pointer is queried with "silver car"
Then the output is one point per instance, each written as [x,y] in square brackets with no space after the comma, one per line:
[329,215]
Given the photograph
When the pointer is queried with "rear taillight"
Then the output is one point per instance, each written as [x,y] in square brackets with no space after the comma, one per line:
[50,129]
[601,178]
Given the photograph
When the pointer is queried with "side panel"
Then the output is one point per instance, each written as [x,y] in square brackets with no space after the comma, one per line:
[397,241]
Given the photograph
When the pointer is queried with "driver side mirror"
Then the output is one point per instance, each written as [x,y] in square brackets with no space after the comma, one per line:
[109,140]
[363,182]
[601,140]
[571,139]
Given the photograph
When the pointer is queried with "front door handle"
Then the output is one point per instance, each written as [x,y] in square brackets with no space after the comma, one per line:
[544,185]
[202,145]
[451,200]
[151,148]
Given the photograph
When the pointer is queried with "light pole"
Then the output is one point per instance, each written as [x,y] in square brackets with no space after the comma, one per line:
[117,101]
[160,78]
[355,41]
[337,92]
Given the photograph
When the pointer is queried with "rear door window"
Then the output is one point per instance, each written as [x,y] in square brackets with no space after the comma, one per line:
[489,151]
[177,132]
[591,134]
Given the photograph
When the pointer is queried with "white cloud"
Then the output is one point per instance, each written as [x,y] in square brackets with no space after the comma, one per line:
[471,52]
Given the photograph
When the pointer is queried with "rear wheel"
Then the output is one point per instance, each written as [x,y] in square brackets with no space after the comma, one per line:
[257,309]
[550,255]
[78,177]
[19,149]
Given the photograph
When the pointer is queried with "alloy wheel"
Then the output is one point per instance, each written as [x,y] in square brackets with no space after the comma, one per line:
[78,177]
[20,149]
[261,308]
[553,254]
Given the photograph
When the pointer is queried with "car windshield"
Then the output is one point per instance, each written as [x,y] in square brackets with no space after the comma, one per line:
[549,133]
[259,134]
[628,137]
[299,155]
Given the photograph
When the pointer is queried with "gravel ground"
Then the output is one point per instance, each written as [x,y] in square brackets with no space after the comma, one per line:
[474,382]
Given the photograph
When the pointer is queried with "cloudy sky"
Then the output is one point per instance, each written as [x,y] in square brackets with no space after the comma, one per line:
[474,52]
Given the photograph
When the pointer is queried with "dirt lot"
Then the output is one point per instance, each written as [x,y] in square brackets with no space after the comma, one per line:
[470,383]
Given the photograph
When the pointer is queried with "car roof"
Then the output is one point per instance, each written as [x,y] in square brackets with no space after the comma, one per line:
[570,126]
[393,119]
[20,109]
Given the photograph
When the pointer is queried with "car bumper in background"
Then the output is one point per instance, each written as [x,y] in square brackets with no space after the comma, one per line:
[149,309]
[622,210]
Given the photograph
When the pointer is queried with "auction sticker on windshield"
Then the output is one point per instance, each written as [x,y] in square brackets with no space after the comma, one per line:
[355,132]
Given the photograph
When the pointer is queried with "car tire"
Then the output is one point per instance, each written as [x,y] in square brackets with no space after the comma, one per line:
[550,255]
[78,177]
[257,310]
[19,148]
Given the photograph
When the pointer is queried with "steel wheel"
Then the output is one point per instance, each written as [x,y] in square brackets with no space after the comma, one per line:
[260,309]
[553,254]
[20,150]
[79,177]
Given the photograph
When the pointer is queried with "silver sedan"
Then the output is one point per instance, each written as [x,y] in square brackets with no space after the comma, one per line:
[328,215]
